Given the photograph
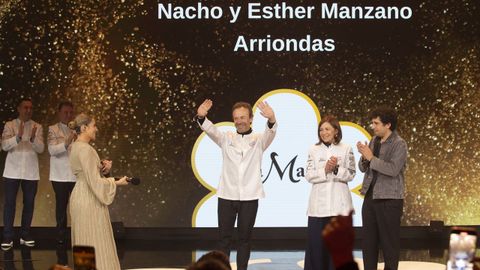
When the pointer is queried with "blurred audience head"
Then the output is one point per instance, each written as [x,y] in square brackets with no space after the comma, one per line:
[213,260]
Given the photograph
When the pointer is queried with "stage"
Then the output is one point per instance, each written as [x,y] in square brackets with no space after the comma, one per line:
[426,251]
[162,256]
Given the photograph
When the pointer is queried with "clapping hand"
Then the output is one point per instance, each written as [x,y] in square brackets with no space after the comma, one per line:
[33,134]
[364,150]
[331,163]
[21,128]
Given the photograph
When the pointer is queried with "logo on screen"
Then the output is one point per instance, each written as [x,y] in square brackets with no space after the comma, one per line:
[292,173]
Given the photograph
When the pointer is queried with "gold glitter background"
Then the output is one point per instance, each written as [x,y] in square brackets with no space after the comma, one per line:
[143,78]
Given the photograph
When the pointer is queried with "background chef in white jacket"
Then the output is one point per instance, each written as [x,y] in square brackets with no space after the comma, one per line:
[60,137]
[22,138]
[330,166]
[240,184]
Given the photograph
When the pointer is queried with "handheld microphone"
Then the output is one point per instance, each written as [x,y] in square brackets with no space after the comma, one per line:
[131,180]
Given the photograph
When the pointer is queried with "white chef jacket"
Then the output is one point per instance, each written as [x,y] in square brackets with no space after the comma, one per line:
[60,170]
[22,157]
[240,178]
[330,194]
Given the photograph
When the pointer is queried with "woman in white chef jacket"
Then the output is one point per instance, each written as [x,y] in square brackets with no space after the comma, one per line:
[330,166]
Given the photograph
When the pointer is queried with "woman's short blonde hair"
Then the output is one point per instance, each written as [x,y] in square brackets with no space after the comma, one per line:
[79,121]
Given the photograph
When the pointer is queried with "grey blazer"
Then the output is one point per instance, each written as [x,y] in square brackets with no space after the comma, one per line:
[390,165]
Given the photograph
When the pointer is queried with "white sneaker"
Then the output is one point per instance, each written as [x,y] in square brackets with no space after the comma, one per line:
[29,242]
[7,244]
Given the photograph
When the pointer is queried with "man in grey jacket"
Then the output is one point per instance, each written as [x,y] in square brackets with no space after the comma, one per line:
[383,161]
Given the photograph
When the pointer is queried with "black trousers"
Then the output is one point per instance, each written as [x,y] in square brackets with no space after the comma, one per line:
[62,195]
[381,228]
[29,190]
[317,256]
[227,214]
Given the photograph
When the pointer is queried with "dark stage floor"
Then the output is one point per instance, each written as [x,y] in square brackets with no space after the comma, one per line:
[134,254]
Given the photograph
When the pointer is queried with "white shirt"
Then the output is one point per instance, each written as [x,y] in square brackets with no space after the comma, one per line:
[22,157]
[330,195]
[60,170]
[242,161]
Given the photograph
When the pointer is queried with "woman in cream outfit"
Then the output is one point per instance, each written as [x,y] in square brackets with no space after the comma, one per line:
[330,166]
[91,196]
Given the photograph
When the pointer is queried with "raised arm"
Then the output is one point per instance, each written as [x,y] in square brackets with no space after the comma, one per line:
[206,125]
[267,112]
[203,109]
